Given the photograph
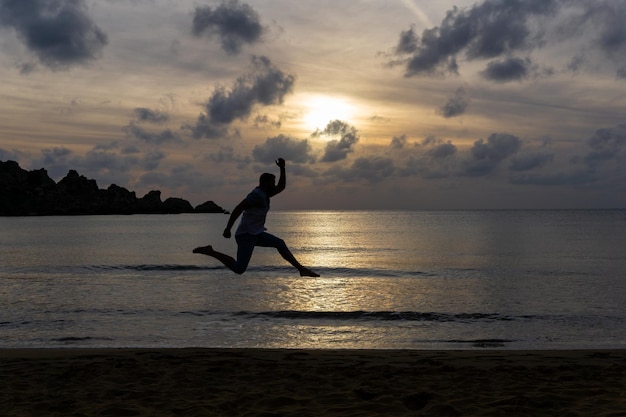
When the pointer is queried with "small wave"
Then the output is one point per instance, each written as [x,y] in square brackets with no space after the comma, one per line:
[274,269]
[484,343]
[71,339]
[360,315]
[351,272]
[166,267]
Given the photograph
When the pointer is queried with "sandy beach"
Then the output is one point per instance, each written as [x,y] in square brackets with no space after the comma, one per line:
[260,382]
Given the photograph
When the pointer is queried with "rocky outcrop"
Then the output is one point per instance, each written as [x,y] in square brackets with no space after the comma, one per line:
[34,193]
[208,207]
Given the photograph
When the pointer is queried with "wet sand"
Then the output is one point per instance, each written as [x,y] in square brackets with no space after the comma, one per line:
[282,382]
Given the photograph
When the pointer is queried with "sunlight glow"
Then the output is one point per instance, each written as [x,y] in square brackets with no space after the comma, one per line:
[322,109]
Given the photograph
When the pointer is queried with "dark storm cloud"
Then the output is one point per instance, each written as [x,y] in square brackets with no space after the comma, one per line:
[207,128]
[227,154]
[604,19]
[6,155]
[281,146]
[55,160]
[155,138]
[456,104]
[98,161]
[509,69]
[183,179]
[106,166]
[490,29]
[606,145]
[601,165]
[370,169]
[235,23]
[54,154]
[130,149]
[27,67]
[152,160]
[398,142]
[429,159]
[143,114]
[487,156]
[575,178]
[337,150]
[59,32]
[530,160]
[499,30]
[266,85]
[437,148]
[265,121]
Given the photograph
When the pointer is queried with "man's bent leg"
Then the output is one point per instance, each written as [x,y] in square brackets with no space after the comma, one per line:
[271,241]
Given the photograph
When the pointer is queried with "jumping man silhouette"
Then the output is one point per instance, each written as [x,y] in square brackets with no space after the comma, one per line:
[251,231]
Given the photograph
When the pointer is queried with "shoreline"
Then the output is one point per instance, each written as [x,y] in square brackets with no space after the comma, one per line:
[311,382]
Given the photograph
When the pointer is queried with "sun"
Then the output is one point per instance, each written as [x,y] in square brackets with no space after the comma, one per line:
[323,109]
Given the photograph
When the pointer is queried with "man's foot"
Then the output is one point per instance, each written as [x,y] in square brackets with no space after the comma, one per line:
[205,250]
[306,272]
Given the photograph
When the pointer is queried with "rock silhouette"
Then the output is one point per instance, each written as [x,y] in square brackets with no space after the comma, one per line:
[34,193]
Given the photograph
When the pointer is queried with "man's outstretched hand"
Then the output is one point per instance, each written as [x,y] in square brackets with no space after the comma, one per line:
[280,162]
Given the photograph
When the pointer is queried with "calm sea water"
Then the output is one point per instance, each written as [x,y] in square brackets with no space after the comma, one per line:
[417,280]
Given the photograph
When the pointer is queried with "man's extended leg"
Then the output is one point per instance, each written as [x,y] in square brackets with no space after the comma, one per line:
[245,247]
[222,257]
[268,240]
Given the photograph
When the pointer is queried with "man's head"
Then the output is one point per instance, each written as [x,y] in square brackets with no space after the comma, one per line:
[267,181]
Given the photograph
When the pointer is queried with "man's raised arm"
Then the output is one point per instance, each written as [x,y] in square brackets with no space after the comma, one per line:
[282,180]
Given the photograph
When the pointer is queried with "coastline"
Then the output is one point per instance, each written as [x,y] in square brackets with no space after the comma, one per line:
[310,382]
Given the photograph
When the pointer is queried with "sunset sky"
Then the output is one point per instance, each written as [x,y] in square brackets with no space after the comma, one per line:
[375,104]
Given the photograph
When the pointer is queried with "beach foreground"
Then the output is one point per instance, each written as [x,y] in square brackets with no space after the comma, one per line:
[281,382]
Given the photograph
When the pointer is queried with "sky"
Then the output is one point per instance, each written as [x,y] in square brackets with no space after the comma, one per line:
[374,104]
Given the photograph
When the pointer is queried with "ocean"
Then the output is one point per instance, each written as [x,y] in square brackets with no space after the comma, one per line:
[545,279]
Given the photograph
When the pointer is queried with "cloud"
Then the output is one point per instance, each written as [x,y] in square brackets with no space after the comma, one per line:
[155,138]
[6,155]
[437,148]
[143,114]
[501,30]
[509,69]
[265,85]
[606,145]
[576,178]
[281,146]
[261,121]
[430,159]
[51,155]
[59,32]
[181,180]
[226,154]
[152,160]
[487,30]
[602,165]
[371,169]
[103,165]
[235,23]
[486,156]
[605,20]
[530,160]
[337,150]
[456,104]
[398,142]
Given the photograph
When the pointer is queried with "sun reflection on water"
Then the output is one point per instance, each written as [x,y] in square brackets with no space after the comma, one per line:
[327,238]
